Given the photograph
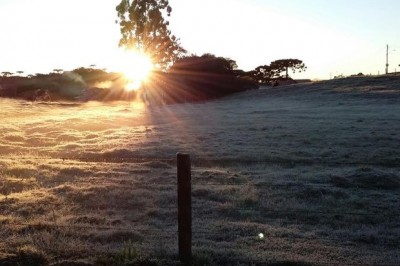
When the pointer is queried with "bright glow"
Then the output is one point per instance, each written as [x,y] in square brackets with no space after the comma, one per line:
[261,235]
[136,68]
[133,85]
[104,84]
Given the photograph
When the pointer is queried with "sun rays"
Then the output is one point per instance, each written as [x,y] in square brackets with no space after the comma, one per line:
[136,68]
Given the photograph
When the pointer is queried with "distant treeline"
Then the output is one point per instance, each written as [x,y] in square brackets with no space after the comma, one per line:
[189,79]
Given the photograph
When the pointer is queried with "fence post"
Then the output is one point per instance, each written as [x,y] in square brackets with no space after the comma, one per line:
[184,208]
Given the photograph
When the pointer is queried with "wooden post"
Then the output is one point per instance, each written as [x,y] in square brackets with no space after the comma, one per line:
[184,208]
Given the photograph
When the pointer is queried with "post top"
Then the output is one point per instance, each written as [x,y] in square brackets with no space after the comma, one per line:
[182,154]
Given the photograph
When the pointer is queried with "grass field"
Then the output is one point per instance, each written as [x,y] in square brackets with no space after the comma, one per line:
[313,167]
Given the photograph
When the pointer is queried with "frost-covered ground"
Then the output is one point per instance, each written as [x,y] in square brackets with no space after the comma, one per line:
[314,167]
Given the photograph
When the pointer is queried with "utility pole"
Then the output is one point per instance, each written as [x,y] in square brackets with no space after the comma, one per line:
[387,59]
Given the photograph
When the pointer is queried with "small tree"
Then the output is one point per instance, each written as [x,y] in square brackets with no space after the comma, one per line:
[20,72]
[284,65]
[144,28]
[58,70]
[6,74]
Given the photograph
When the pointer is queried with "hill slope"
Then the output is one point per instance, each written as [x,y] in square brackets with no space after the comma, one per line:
[313,167]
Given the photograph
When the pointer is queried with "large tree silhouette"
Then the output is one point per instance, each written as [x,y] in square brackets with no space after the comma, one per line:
[207,63]
[144,28]
[283,65]
[198,78]
[268,73]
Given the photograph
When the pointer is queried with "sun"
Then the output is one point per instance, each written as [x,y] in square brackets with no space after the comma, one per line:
[136,68]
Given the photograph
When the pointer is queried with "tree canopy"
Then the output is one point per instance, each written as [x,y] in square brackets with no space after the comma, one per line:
[94,75]
[207,63]
[7,73]
[144,28]
[268,73]
[283,65]
[264,73]
[198,78]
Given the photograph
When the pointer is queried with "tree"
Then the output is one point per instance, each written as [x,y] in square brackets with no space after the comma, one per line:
[198,78]
[269,73]
[7,74]
[58,70]
[284,65]
[94,75]
[264,74]
[207,63]
[144,29]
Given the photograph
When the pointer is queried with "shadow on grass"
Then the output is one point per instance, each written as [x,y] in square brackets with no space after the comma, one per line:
[26,257]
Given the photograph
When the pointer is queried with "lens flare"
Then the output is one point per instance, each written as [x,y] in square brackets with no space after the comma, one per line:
[136,67]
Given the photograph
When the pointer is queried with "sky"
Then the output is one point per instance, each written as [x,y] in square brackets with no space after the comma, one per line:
[331,37]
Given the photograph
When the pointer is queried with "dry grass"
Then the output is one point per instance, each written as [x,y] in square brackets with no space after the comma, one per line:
[313,167]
